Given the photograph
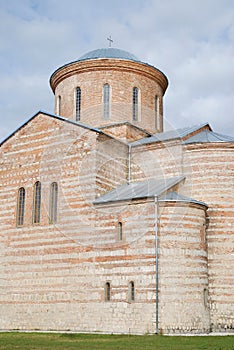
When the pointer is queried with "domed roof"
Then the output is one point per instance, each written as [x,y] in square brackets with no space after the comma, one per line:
[109,52]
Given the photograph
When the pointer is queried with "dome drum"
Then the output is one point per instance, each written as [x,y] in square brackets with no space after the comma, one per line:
[123,73]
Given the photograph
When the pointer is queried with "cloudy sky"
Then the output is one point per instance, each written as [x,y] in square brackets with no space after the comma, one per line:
[191,41]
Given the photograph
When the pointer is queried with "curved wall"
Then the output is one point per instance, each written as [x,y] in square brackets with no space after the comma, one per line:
[122,76]
[209,172]
[183,274]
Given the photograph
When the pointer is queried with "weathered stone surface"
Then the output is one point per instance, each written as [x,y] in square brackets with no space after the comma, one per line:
[53,276]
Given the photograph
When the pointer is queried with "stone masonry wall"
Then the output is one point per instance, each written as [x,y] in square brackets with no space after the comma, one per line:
[53,276]
[209,170]
[158,160]
[122,76]
[125,132]
[209,173]
[183,273]
[111,164]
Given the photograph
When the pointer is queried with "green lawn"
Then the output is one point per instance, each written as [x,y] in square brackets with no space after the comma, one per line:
[52,341]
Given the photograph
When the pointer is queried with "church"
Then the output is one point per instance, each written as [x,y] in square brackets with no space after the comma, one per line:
[108,222]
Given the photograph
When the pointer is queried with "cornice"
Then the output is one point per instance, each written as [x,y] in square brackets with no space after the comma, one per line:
[105,64]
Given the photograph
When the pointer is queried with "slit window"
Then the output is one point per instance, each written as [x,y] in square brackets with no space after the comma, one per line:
[205,297]
[107,291]
[157,121]
[37,203]
[106,101]
[53,203]
[131,291]
[78,103]
[59,105]
[20,207]
[135,98]
[120,231]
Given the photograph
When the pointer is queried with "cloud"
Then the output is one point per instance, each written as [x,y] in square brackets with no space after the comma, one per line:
[29,94]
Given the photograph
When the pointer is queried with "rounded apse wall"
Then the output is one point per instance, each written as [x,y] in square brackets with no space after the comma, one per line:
[183,273]
[209,172]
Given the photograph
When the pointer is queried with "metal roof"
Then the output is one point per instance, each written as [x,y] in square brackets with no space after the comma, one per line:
[109,52]
[169,135]
[208,136]
[142,189]
[174,196]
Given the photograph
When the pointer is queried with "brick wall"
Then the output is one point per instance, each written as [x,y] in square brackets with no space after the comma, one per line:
[209,178]
[53,276]
[122,76]
[183,273]
[209,169]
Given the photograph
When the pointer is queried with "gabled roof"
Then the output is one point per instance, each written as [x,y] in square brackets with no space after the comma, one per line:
[79,124]
[170,135]
[208,136]
[174,196]
[143,189]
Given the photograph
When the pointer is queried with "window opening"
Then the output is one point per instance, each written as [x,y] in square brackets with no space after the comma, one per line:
[20,207]
[131,291]
[53,203]
[106,101]
[135,103]
[205,297]
[59,105]
[157,126]
[120,231]
[37,203]
[107,291]
[78,103]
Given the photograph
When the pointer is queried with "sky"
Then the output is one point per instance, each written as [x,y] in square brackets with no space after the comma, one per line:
[191,41]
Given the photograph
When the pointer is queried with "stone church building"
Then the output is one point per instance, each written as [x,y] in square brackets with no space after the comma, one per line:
[108,222]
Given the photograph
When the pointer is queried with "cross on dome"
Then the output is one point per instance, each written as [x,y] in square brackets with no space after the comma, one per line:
[110,41]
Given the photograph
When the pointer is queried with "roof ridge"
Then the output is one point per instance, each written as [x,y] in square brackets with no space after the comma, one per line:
[208,136]
[194,126]
[170,134]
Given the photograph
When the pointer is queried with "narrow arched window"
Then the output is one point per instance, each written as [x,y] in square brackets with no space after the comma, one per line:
[106,101]
[135,97]
[157,121]
[131,291]
[53,203]
[78,103]
[58,109]
[37,202]
[120,231]
[20,207]
[107,291]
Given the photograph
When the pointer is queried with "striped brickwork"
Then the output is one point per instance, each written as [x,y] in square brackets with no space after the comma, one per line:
[122,76]
[53,275]
[183,273]
[209,171]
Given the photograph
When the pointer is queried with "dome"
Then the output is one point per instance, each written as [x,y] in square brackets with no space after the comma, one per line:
[109,52]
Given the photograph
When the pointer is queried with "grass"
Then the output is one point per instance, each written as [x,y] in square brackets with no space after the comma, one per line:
[68,341]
